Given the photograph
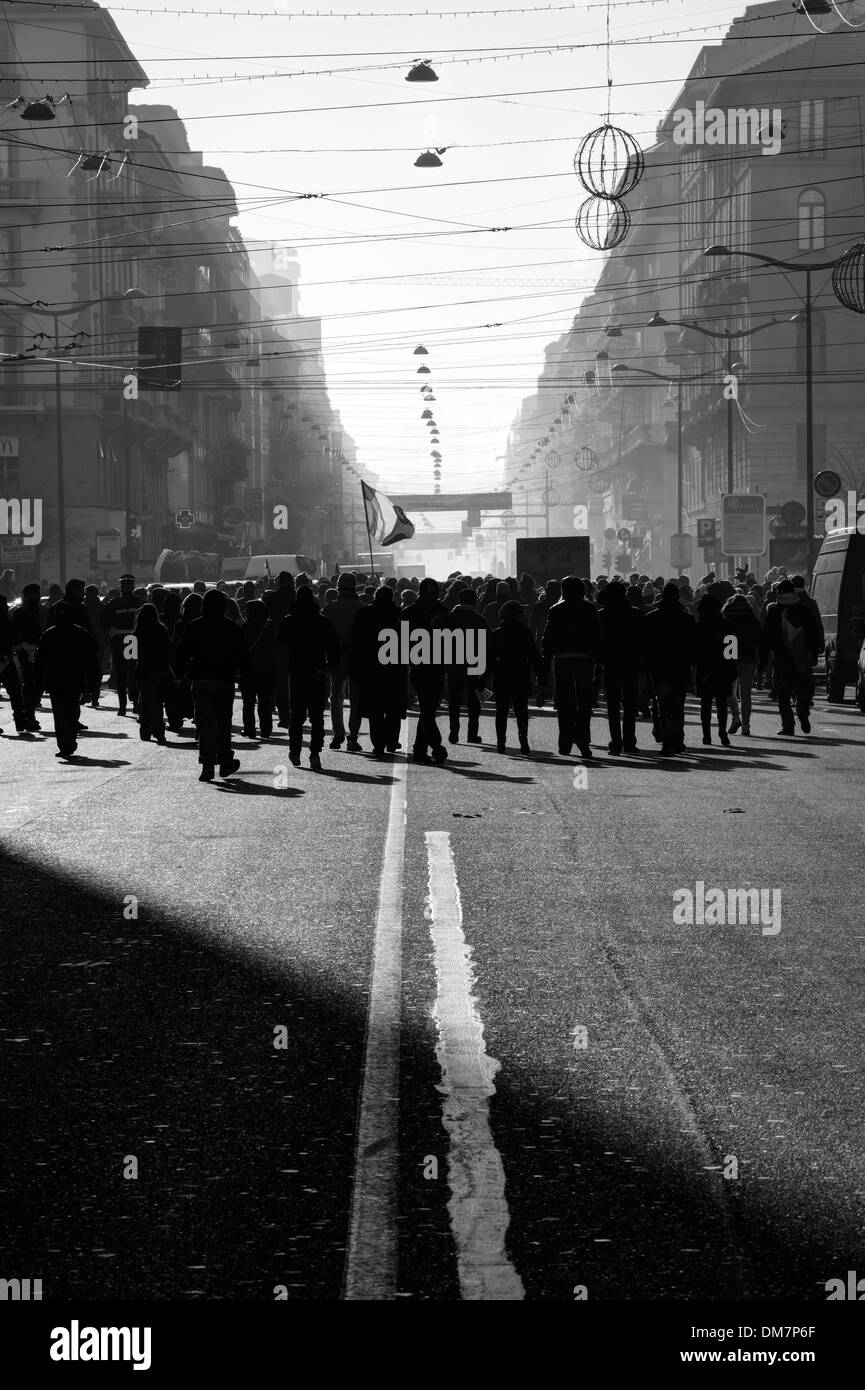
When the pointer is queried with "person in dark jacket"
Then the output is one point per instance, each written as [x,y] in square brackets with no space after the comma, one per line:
[27,628]
[428,681]
[260,636]
[513,656]
[153,669]
[670,652]
[465,617]
[212,649]
[93,604]
[741,622]
[792,639]
[179,704]
[9,674]
[716,672]
[622,631]
[382,687]
[65,666]
[119,617]
[279,603]
[572,643]
[313,651]
[341,613]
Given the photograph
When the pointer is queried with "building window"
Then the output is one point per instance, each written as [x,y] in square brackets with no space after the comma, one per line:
[812,129]
[812,220]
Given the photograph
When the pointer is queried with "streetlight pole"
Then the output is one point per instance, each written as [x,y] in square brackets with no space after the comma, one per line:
[809,268]
[728,336]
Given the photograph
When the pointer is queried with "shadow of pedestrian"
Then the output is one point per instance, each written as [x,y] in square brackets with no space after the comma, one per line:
[256,789]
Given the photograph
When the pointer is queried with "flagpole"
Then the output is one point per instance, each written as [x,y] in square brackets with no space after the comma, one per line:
[368,533]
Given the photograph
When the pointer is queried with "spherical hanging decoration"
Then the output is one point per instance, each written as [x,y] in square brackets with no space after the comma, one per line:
[586,459]
[609,162]
[848,279]
[602,223]
[599,483]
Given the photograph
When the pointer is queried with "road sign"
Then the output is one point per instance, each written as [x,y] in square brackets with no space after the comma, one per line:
[681,551]
[793,513]
[233,516]
[707,532]
[743,523]
[827,483]
[108,548]
[183,520]
[623,535]
[159,358]
[610,533]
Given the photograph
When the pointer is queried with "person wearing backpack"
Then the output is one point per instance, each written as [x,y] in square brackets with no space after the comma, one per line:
[791,637]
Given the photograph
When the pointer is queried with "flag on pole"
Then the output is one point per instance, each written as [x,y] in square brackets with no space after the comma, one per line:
[387,523]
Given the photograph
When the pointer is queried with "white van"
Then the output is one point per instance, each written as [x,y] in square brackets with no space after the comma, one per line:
[236,568]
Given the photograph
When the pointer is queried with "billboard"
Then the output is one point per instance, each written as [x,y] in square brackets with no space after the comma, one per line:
[552,557]
[743,523]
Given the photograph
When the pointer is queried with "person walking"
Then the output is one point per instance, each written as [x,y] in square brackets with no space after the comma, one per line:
[572,643]
[341,614]
[26,620]
[428,614]
[622,630]
[214,652]
[257,689]
[383,686]
[10,679]
[513,656]
[670,652]
[465,618]
[153,671]
[93,604]
[119,615]
[279,603]
[792,639]
[313,651]
[741,623]
[65,666]
[716,672]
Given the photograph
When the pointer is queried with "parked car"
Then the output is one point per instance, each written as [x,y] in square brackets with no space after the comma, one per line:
[838,586]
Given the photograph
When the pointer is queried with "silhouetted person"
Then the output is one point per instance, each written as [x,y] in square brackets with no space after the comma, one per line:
[464,617]
[119,618]
[715,672]
[279,603]
[257,689]
[382,686]
[153,668]
[670,652]
[572,643]
[513,657]
[96,618]
[65,665]
[313,651]
[341,613]
[622,630]
[740,621]
[791,637]
[27,629]
[428,681]
[9,677]
[212,649]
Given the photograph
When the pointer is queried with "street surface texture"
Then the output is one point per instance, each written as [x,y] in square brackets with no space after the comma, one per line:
[538,1088]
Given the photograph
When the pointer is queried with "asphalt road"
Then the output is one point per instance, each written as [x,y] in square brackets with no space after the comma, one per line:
[212,996]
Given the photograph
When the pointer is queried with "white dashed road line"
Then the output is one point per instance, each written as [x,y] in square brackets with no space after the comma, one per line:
[478,1209]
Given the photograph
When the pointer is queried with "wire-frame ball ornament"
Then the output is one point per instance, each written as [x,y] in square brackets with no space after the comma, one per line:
[848,279]
[586,459]
[600,482]
[602,223]
[609,162]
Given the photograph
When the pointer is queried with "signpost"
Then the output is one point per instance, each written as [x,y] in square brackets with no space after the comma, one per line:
[743,524]
[681,551]
[707,533]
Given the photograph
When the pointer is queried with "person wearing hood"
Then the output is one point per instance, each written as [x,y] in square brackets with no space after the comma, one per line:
[572,644]
[791,637]
[214,653]
[314,651]
[341,613]
[153,670]
[513,657]
[715,671]
[382,685]
[65,666]
[670,652]
[257,689]
[741,623]
[622,628]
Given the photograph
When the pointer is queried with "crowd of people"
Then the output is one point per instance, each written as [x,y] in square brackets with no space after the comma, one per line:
[175,654]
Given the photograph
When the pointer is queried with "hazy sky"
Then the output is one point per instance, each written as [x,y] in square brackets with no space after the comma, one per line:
[384,218]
